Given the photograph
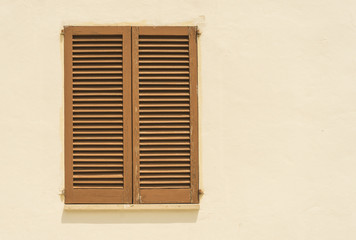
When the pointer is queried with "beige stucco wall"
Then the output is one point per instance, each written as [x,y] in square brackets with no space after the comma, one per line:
[277,120]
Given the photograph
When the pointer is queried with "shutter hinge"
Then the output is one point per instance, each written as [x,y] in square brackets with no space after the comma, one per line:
[62,32]
[62,193]
[201,193]
[198,32]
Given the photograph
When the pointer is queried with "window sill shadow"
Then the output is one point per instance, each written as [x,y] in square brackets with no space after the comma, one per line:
[116,214]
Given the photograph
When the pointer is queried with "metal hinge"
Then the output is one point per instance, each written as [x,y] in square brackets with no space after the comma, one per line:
[62,193]
[62,32]
[198,32]
[201,193]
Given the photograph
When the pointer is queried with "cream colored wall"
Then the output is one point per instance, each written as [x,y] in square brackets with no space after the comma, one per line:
[277,120]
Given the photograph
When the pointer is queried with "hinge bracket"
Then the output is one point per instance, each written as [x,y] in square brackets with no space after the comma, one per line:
[198,32]
[62,193]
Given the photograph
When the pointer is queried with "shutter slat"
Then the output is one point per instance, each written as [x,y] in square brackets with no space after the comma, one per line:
[160,51]
[160,121]
[164,99]
[163,45]
[164,131]
[97,72]
[94,51]
[95,40]
[162,40]
[165,82]
[101,165]
[166,78]
[93,77]
[144,94]
[162,186]
[97,99]
[163,143]
[147,72]
[99,175]
[97,121]
[160,126]
[160,104]
[97,44]
[97,65]
[104,182]
[158,182]
[97,104]
[95,88]
[93,132]
[90,111]
[162,137]
[97,60]
[98,137]
[162,148]
[90,82]
[162,56]
[164,171]
[155,164]
[166,61]
[96,94]
[87,154]
[101,54]
[98,148]
[94,143]
[173,154]
[102,115]
[168,67]
[98,160]
[172,160]
[93,171]
[163,88]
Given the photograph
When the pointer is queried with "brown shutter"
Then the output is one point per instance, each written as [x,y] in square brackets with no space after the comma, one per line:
[98,157]
[165,115]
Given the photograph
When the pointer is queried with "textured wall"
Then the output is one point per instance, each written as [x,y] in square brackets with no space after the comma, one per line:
[277,120]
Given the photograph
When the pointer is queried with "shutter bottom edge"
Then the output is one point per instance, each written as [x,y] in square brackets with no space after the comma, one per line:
[96,196]
[162,196]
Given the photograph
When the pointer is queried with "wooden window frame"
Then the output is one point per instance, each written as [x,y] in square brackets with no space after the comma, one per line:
[131,193]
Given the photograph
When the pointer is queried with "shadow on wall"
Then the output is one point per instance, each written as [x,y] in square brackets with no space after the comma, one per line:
[129,216]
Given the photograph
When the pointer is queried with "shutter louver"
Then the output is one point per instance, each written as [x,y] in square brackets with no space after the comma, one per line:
[165,114]
[98,115]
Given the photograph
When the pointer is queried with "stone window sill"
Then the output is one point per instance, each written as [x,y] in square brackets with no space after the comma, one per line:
[131,207]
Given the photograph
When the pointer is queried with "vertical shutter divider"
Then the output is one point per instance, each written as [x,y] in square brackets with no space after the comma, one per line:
[194,147]
[68,113]
[135,117]
[127,120]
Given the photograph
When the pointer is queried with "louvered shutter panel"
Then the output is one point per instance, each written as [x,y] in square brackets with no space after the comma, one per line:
[165,115]
[98,156]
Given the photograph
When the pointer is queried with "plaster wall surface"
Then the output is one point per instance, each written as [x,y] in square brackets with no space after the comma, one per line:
[277,104]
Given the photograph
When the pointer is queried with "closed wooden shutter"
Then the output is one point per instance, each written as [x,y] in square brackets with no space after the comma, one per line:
[165,115]
[98,156]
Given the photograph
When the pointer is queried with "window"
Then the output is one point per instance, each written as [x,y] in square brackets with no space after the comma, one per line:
[131,115]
